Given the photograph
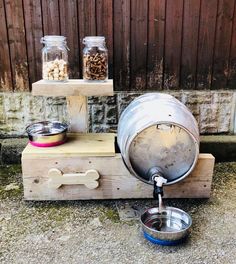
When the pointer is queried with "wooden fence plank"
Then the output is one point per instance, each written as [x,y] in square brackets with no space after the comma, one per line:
[51,17]
[87,18]
[173,38]
[16,33]
[155,44]
[189,43]
[156,33]
[5,65]
[87,22]
[104,23]
[222,43]
[34,32]
[231,82]
[70,29]
[206,43]
[121,45]
[139,13]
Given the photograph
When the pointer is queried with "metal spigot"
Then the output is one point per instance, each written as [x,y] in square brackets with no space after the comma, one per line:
[155,174]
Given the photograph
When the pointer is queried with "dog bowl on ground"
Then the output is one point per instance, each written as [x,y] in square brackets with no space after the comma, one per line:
[168,227]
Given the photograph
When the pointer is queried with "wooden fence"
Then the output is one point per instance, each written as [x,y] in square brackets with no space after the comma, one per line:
[153,44]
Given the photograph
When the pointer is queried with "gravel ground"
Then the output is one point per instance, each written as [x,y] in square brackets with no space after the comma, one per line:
[84,232]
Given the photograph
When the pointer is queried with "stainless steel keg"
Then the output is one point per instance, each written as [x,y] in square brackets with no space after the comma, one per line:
[158,134]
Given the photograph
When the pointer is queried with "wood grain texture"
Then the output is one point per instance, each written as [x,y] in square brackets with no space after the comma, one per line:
[34,32]
[87,18]
[104,24]
[51,17]
[231,82]
[189,43]
[173,38]
[138,59]
[87,22]
[17,43]
[156,34]
[70,29]
[222,44]
[206,43]
[5,65]
[115,181]
[77,108]
[121,45]
[73,87]
[152,44]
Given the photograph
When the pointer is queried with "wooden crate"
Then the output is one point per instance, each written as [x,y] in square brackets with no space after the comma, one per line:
[88,167]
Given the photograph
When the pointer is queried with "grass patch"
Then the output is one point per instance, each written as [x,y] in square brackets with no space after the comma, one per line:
[110,214]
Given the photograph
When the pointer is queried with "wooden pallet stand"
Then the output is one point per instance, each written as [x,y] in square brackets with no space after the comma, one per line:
[87,165]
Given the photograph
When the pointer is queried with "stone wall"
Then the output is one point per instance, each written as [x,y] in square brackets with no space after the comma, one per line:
[214,110]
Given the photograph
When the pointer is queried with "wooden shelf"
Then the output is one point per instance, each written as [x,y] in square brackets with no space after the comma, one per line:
[77,144]
[73,87]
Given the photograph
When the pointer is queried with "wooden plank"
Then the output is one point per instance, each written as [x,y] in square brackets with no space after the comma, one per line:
[18,54]
[189,43]
[5,65]
[92,144]
[104,23]
[73,87]
[222,43]
[70,29]
[77,107]
[86,162]
[156,32]
[87,18]
[121,37]
[115,182]
[206,43]
[173,38]
[231,82]
[70,164]
[34,32]
[87,22]
[112,187]
[139,13]
[51,17]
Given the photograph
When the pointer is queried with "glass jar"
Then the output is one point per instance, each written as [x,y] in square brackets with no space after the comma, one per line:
[95,59]
[55,58]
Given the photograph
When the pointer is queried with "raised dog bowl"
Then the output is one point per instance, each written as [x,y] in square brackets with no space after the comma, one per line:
[47,134]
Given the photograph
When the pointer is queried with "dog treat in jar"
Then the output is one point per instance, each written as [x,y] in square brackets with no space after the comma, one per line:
[55,58]
[95,59]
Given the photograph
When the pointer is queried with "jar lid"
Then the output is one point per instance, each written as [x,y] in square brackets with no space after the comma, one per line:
[53,39]
[94,40]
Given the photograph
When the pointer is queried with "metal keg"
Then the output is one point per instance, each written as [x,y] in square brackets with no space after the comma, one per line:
[157,134]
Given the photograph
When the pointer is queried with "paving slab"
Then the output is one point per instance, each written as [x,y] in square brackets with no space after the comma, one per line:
[90,232]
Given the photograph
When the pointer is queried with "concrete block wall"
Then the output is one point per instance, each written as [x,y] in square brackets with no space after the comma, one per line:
[214,110]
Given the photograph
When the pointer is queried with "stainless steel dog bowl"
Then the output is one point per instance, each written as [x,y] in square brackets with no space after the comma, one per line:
[47,134]
[168,227]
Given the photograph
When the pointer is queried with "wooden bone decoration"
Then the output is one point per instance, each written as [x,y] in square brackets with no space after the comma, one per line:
[57,178]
